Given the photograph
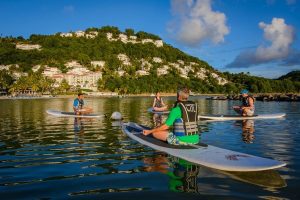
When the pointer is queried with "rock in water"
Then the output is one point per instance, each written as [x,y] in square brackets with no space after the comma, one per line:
[116,116]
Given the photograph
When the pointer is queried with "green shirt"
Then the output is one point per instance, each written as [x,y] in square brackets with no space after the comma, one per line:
[176,114]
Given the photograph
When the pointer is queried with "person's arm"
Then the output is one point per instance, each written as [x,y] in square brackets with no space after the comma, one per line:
[75,105]
[163,127]
[174,114]
[251,104]
[154,101]
[162,102]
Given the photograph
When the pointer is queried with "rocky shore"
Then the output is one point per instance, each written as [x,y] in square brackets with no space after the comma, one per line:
[262,97]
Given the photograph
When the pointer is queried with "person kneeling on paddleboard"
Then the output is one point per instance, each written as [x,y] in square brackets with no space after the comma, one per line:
[183,119]
[247,108]
[78,106]
[158,104]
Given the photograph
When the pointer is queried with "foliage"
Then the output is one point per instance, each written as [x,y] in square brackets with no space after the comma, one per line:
[57,50]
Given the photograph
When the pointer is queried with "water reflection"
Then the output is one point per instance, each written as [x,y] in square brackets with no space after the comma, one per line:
[78,125]
[36,149]
[247,130]
[184,176]
[157,120]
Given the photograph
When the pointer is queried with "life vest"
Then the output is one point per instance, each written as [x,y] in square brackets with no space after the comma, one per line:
[187,124]
[158,102]
[245,101]
[81,103]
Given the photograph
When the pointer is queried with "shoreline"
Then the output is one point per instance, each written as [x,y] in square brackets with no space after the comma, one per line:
[258,96]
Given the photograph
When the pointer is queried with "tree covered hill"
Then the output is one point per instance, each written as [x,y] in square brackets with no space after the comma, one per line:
[163,67]
[293,76]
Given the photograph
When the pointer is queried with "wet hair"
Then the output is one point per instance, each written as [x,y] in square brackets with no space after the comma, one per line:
[79,94]
[183,92]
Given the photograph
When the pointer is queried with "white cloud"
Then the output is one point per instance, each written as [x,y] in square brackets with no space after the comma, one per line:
[279,37]
[197,22]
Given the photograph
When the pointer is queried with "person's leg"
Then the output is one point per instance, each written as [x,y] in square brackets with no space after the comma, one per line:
[237,110]
[86,110]
[248,112]
[160,109]
[161,135]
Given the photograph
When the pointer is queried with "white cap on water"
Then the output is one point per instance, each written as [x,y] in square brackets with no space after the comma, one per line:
[116,116]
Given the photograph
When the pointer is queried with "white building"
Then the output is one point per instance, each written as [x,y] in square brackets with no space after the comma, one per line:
[36,68]
[124,58]
[133,39]
[50,71]
[4,67]
[79,71]
[201,74]
[91,34]
[98,63]
[87,80]
[109,36]
[123,38]
[79,33]
[157,60]
[145,65]
[17,75]
[180,62]
[141,73]
[121,72]
[28,46]
[221,81]
[159,43]
[66,35]
[73,64]
[147,41]
[163,70]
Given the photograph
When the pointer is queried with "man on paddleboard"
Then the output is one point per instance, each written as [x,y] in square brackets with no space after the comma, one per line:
[183,119]
[78,105]
[247,108]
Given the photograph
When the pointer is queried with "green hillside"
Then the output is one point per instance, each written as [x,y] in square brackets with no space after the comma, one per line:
[293,76]
[56,51]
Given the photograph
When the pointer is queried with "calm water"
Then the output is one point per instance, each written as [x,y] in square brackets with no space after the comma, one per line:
[44,157]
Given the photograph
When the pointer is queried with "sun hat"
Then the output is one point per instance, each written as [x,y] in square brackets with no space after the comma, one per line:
[244,91]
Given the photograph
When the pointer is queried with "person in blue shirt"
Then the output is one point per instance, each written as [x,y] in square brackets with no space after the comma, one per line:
[78,106]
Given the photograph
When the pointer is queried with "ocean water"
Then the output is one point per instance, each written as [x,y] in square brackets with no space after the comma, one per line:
[46,157]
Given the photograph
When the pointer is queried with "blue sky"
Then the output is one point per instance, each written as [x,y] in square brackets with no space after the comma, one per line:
[256,36]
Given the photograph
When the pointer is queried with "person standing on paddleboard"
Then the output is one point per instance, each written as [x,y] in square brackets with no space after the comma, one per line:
[78,105]
[158,103]
[183,119]
[247,108]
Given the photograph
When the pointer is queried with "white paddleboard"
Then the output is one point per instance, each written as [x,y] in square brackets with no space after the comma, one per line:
[72,114]
[239,117]
[150,110]
[206,155]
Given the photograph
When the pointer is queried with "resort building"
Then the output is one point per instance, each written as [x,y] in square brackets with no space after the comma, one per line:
[133,39]
[157,60]
[28,46]
[124,58]
[141,73]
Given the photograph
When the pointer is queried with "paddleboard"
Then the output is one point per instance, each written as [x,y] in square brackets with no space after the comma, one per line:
[203,154]
[239,117]
[150,110]
[72,114]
